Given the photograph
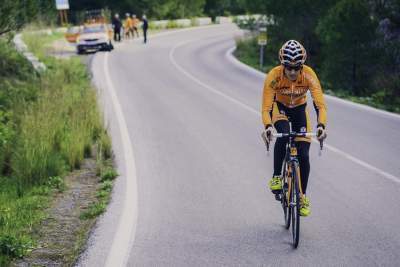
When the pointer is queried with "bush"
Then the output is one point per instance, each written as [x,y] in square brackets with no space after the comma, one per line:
[172,24]
[6,136]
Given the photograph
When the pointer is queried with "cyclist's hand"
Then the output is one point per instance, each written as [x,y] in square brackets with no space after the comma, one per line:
[268,132]
[321,132]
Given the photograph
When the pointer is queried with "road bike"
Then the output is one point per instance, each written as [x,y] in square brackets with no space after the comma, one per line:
[291,192]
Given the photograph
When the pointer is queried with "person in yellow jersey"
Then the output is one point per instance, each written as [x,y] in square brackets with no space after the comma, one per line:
[284,99]
[128,30]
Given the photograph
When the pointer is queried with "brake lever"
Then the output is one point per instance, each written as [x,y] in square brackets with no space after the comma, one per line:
[266,142]
[321,146]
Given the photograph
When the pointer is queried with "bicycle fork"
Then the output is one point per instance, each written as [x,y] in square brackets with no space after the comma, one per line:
[289,182]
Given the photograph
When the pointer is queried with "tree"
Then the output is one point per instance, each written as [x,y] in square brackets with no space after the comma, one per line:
[294,19]
[16,13]
[214,8]
[347,33]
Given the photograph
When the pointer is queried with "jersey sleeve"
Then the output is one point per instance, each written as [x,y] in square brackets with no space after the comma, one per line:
[268,96]
[318,97]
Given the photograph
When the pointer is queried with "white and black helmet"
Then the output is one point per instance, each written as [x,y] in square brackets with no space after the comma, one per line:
[292,54]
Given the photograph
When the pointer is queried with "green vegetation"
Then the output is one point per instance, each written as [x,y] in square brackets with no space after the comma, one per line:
[354,45]
[48,124]
[248,51]
[16,13]
[107,174]
[171,24]
[39,42]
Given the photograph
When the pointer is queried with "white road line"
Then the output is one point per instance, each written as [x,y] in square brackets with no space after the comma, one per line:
[126,228]
[247,68]
[258,113]
[171,57]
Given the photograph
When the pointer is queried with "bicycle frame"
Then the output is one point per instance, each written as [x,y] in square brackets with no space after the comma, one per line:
[290,160]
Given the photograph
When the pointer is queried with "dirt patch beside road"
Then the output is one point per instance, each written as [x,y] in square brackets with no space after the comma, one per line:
[62,235]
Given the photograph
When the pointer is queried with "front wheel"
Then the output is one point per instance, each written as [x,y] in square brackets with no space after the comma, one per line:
[285,200]
[80,51]
[295,205]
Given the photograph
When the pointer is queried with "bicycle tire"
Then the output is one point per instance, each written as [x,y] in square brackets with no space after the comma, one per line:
[284,201]
[295,206]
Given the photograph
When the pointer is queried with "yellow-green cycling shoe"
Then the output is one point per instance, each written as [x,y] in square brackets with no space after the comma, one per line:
[305,206]
[275,184]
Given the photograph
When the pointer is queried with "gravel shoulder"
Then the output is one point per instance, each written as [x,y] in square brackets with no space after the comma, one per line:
[62,235]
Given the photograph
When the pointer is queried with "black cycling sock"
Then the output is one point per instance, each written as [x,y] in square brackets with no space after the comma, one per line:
[303,149]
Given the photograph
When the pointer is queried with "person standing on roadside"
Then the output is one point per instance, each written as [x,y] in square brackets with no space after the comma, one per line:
[135,24]
[117,25]
[128,27]
[145,26]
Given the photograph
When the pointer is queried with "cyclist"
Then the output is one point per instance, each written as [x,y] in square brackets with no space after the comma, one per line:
[284,98]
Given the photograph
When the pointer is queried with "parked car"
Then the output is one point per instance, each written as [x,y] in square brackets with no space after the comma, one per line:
[94,37]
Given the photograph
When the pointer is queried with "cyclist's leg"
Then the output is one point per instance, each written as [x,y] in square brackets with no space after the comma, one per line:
[302,123]
[303,149]
[281,125]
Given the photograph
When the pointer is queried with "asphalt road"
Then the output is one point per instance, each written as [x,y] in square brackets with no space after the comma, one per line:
[193,185]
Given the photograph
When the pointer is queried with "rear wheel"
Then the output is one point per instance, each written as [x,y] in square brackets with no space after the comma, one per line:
[295,206]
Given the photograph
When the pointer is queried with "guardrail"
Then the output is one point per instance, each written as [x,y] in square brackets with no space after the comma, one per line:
[180,23]
[203,21]
[255,18]
[223,20]
[23,49]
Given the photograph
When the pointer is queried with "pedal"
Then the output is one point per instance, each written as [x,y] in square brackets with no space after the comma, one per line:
[276,192]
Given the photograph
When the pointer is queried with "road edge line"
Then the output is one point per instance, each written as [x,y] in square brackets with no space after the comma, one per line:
[126,229]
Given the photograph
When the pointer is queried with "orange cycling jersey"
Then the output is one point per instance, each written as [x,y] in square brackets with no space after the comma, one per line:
[277,87]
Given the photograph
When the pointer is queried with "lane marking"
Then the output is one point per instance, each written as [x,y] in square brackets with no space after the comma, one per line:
[248,108]
[126,228]
[235,61]
[171,57]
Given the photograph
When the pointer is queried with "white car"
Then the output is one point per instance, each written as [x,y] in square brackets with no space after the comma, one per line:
[94,37]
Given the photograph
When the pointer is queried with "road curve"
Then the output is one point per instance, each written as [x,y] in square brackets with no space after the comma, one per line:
[192,118]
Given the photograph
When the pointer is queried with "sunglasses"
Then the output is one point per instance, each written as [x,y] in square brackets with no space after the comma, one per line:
[295,68]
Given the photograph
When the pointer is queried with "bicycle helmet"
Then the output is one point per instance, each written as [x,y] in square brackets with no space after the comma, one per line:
[292,54]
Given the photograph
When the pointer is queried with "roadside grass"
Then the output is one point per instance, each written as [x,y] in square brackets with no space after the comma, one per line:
[103,197]
[247,51]
[39,41]
[107,173]
[57,129]
[48,124]
[19,216]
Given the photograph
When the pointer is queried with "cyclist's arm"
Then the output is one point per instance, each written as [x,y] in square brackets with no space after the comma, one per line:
[318,97]
[268,97]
